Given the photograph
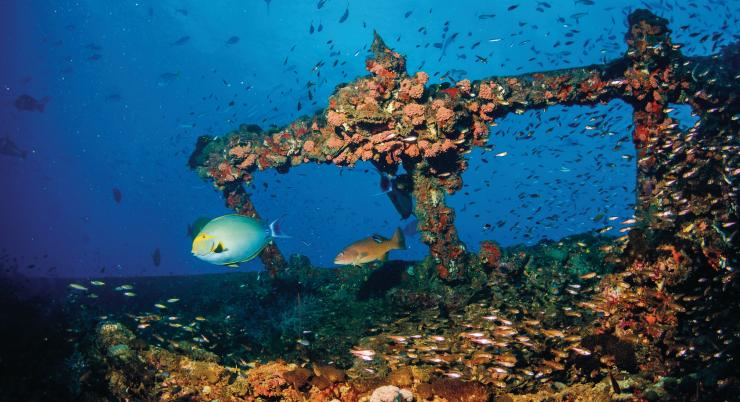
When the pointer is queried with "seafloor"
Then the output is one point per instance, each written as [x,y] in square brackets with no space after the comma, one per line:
[549,322]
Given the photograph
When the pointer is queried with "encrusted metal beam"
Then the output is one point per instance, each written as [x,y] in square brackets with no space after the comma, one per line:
[392,118]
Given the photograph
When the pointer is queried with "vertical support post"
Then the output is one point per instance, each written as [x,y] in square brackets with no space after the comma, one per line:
[436,225]
[238,200]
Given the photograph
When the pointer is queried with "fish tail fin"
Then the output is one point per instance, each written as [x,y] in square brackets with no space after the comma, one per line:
[398,240]
[276,231]
[387,183]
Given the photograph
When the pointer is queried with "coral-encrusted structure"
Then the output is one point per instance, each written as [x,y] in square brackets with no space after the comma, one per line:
[686,180]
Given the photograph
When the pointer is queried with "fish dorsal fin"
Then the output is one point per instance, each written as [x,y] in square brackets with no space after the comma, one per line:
[378,238]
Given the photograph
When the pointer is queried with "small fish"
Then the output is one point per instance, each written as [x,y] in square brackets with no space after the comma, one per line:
[232,40]
[183,40]
[27,103]
[117,195]
[124,287]
[97,283]
[369,249]
[77,286]
[173,300]
[502,154]
[345,15]
[156,257]
[129,294]
[160,306]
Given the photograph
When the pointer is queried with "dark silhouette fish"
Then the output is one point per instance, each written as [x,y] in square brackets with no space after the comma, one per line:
[156,257]
[27,103]
[397,189]
[345,15]
[117,195]
[9,148]
[183,40]
[233,40]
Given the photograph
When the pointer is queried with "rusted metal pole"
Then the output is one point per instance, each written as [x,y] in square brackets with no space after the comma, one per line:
[392,118]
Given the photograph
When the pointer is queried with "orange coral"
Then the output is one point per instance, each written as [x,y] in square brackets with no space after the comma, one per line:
[444,116]
[415,112]
[485,91]
[309,146]
[267,380]
[412,150]
[421,77]
[335,118]
[240,151]
[464,86]
[334,142]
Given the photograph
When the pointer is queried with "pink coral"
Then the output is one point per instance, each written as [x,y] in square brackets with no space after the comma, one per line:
[444,116]
[412,150]
[309,146]
[464,86]
[433,149]
[480,128]
[410,90]
[240,151]
[415,112]
[485,91]
[421,77]
[335,118]
[485,110]
[334,142]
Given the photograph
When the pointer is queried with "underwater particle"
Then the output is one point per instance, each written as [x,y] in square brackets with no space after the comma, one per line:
[369,249]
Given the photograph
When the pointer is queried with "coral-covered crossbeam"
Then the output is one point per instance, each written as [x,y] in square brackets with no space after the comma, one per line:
[391,118]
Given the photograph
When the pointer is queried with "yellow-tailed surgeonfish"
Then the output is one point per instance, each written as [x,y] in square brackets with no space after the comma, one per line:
[369,249]
[232,239]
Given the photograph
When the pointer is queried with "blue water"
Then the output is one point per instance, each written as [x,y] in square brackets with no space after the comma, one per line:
[113,121]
